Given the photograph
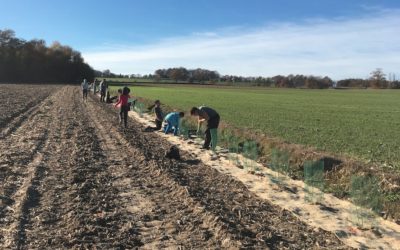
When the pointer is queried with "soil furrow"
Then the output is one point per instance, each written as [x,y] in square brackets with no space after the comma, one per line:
[17,105]
[28,171]
[20,158]
[78,180]
[79,207]
[45,212]
[171,217]
[16,122]
[251,221]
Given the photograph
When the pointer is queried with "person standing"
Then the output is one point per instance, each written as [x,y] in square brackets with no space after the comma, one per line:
[85,87]
[103,90]
[100,86]
[123,104]
[94,86]
[212,118]
[159,115]
[172,122]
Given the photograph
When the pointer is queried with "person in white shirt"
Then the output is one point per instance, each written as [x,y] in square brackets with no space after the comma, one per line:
[94,86]
[85,87]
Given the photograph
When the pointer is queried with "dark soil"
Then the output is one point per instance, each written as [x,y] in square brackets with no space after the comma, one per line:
[71,177]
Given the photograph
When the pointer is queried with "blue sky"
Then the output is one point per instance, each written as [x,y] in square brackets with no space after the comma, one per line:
[338,38]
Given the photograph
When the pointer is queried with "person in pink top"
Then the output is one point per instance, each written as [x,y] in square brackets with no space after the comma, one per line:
[123,104]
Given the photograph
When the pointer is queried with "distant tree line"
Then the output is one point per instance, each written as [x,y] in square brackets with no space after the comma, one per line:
[302,81]
[189,75]
[204,75]
[183,75]
[108,74]
[34,62]
[377,80]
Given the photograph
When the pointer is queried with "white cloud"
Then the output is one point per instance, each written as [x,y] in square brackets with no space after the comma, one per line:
[339,48]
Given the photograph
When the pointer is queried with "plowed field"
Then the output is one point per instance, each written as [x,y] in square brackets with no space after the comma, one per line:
[71,177]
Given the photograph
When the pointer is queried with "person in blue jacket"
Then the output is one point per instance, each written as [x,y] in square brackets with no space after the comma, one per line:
[172,122]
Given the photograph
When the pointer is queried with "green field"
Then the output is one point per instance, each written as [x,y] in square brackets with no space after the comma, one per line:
[137,80]
[359,123]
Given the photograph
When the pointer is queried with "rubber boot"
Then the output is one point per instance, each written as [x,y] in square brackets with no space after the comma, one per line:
[214,138]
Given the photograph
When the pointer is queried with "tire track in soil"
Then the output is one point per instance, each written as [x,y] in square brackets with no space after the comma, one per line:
[17,118]
[165,215]
[79,206]
[21,159]
[42,210]
[14,123]
[243,219]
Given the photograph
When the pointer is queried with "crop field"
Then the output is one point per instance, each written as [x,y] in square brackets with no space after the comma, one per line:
[72,178]
[361,124]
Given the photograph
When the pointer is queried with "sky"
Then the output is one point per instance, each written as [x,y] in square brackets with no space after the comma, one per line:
[335,38]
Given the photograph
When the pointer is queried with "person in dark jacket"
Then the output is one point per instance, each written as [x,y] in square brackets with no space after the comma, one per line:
[159,115]
[209,115]
[103,90]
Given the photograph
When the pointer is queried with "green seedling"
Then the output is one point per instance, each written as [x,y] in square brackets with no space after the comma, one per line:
[314,181]
[139,108]
[250,151]
[366,194]
[280,164]
[184,129]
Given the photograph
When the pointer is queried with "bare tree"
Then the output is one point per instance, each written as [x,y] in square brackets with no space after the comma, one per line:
[378,79]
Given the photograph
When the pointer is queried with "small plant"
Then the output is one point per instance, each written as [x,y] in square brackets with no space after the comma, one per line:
[225,137]
[392,197]
[139,108]
[250,151]
[183,129]
[366,194]
[233,148]
[280,164]
[314,181]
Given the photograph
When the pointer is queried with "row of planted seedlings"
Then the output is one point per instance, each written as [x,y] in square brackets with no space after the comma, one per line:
[364,190]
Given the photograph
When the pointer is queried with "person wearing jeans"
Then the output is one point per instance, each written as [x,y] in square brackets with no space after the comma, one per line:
[103,90]
[212,117]
[172,122]
[123,104]
[85,87]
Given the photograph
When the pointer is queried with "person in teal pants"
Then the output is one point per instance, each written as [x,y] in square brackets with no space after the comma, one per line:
[212,118]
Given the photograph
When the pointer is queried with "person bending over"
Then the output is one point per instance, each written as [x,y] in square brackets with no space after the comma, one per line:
[172,122]
[212,118]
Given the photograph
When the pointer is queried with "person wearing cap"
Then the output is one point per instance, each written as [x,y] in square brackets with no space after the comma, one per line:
[172,122]
[209,115]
